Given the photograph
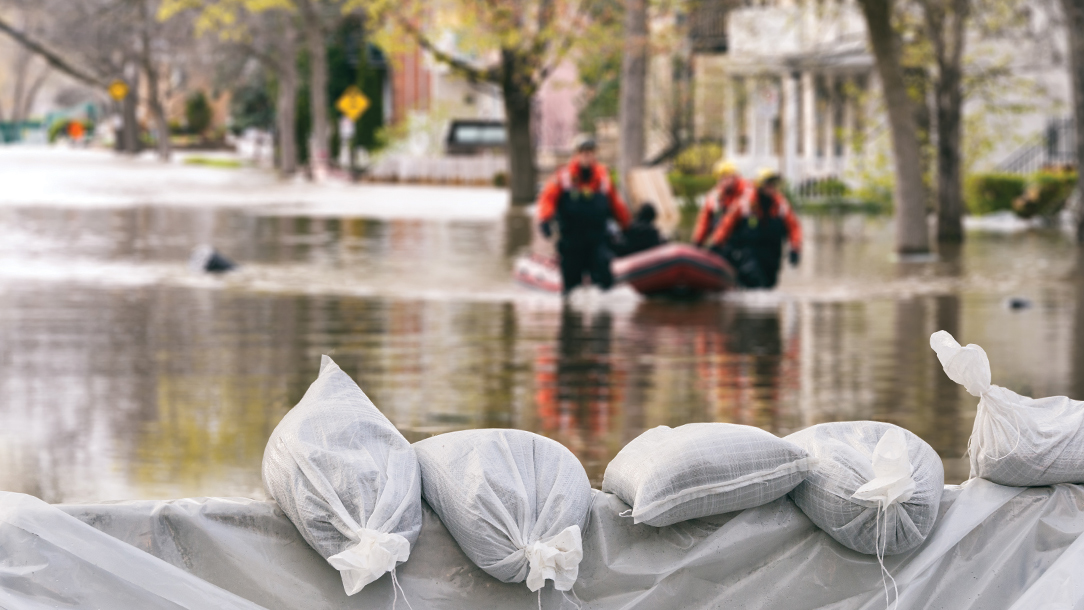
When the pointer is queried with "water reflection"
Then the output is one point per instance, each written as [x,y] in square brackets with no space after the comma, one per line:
[113,388]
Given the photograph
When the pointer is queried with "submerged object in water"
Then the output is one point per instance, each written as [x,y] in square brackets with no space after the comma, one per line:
[206,258]
[672,269]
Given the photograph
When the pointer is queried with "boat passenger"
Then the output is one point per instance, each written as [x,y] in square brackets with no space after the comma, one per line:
[730,190]
[642,234]
[751,235]
[582,201]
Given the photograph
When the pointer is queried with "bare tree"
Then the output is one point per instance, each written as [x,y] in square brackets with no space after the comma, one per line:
[946,22]
[633,88]
[313,24]
[911,229]
[528,40]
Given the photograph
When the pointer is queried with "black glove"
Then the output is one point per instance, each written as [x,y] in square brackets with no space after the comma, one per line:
[547,231]
[795,258]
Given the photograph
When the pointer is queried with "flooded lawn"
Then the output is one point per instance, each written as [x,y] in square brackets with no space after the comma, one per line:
[124,375]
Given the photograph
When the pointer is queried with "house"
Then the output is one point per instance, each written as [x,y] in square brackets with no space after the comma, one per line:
[791,85]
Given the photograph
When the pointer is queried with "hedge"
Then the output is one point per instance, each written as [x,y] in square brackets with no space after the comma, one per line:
[993,192]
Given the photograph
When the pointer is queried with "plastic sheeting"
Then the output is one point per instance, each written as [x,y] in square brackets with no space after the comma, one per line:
[993,547]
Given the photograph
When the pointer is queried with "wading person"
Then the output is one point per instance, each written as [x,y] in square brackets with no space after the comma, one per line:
[751,235]
[730,189]
[582,201]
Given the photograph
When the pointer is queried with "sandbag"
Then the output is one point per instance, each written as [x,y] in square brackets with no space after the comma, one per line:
[346,478]
[874,487]
[516,502]
[1016,440]
[668,475]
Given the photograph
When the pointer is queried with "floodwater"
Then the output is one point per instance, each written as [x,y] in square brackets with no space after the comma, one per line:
[123,375]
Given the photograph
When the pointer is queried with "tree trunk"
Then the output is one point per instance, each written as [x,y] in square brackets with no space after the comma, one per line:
[286,104]
[130,130]
[161,126]
[911,230]
[633,89]
[946,20]
[1074,22]
[314,39]
[518,93]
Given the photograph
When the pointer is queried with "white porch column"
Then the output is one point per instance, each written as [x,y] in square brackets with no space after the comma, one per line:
[848,122]
[791,108]
[830,123]
[752,122]
[809,120]
[730,111]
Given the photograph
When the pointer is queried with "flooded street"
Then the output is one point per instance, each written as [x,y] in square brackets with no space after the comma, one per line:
[123,375]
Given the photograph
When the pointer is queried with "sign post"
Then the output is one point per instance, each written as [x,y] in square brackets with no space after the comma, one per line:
[352,103]
[118,90]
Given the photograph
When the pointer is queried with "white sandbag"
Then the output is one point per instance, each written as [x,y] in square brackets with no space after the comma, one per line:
[516,502]
[346,478]
[1016,440]
[874,487]
[668,475]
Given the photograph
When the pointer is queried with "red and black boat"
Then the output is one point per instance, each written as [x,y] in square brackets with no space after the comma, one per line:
[670,269]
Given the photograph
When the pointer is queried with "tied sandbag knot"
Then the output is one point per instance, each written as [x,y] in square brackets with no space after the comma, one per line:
[556,558]
[892,483]
[374,554]
[970,367]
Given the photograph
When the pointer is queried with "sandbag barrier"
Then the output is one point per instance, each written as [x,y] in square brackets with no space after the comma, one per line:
[699,516]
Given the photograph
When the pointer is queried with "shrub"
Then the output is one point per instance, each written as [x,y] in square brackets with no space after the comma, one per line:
[500,180]
[198,113]
[697,159]
[1046,193]
[688,186]
[992,192]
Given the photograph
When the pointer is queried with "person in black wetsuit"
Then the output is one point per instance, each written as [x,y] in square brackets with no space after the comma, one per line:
[582,201]
[641,234]
[751,235]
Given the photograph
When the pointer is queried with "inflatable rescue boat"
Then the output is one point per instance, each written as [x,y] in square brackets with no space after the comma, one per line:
[672,269]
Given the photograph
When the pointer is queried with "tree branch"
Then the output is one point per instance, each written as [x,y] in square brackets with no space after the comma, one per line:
[54,60]
[491,75]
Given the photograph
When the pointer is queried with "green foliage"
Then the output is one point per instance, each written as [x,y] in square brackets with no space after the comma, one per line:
[60,128]
[1046,193]
[197,112]
[252,105]
[992,192]
[698,159]
[213,162]
[600,74]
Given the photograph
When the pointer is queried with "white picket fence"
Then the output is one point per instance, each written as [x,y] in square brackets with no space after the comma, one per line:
[444,170]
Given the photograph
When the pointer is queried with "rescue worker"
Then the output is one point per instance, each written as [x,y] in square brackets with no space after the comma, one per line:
[642,234]
[751,235]
[582,201]
[730,189]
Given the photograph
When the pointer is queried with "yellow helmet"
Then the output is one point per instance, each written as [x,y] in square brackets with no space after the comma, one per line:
[765,174]
[724,168]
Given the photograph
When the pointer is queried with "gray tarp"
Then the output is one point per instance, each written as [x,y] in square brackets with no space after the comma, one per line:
[993,547]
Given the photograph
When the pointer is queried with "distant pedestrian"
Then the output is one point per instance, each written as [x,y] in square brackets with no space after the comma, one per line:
[582,201]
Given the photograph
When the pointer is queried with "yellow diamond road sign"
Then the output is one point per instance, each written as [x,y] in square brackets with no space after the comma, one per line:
[352,103]
[118,90]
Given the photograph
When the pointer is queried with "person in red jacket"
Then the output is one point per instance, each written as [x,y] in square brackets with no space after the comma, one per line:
[582,201]
[731,189]
[751,235]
